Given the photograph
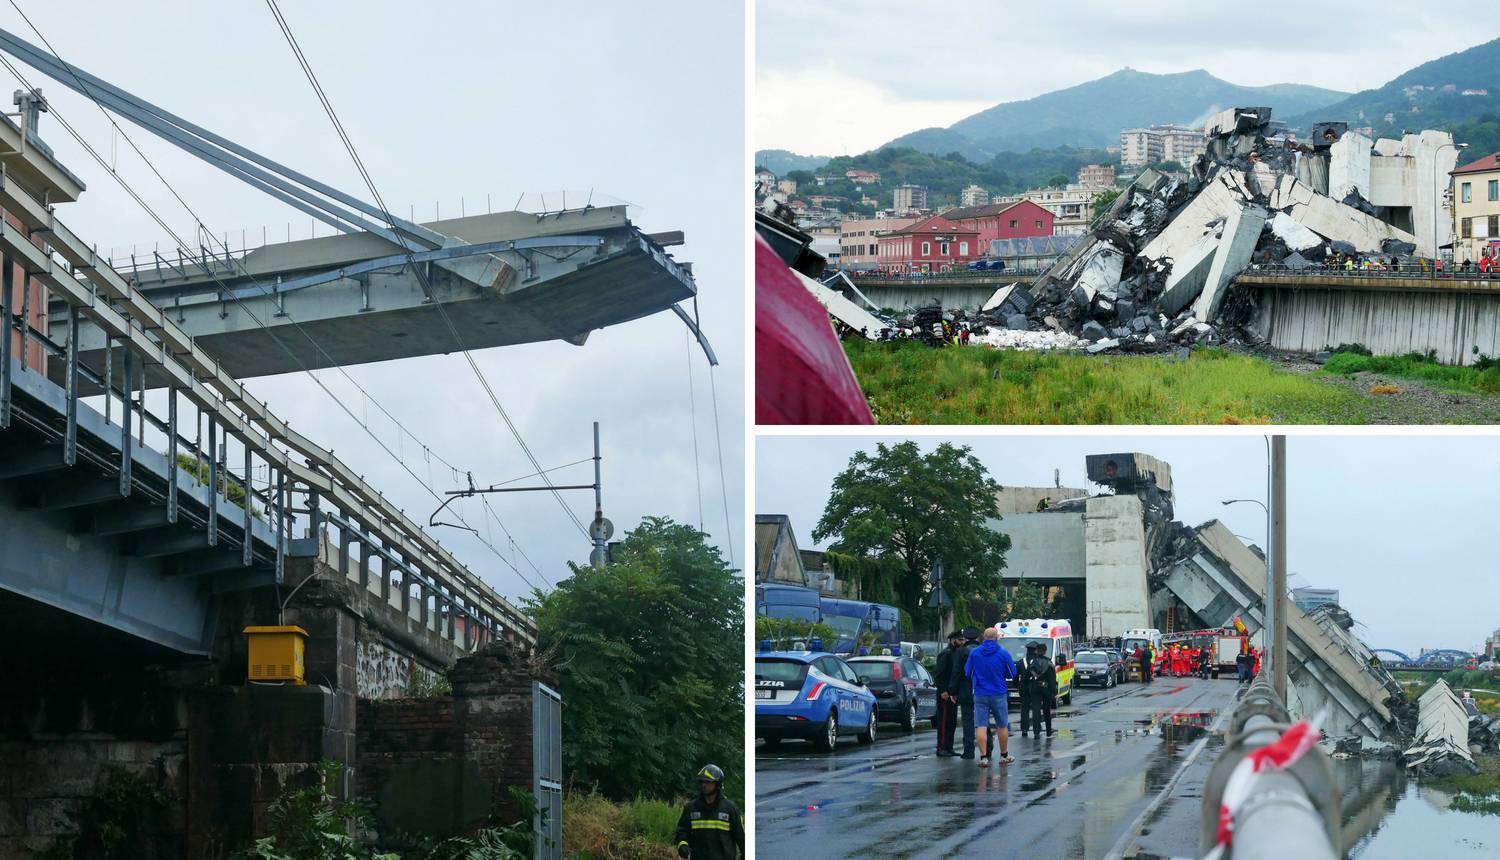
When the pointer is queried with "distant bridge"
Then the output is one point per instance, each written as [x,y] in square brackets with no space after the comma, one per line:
[1437,659]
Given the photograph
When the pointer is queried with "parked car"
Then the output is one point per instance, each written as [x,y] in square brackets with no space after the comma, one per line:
[904,692]
[811,695]
[1099,667]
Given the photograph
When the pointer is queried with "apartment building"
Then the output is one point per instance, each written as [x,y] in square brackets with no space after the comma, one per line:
[973,195]
[859,239]
[908,198]
[1141,146]
[1096,176]
[1476,209]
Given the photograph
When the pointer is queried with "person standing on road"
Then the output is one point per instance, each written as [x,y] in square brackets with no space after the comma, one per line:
[942,678]
[1024,693]
[1143,657]
[711,826]
[989,666]
[1242,667]
[1205,662]
[961,689]
[1038,690]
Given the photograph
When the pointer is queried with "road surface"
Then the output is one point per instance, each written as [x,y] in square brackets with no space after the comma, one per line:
[1122,777]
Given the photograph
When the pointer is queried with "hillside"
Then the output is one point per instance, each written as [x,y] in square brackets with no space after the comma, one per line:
[1439,104]
[945,176]
[1092,114]
[781,162]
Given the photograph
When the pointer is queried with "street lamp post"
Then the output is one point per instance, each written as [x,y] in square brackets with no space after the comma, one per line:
[1436,198]
[1268,606]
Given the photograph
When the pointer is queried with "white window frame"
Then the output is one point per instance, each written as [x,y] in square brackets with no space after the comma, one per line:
[963,249]
[927,249]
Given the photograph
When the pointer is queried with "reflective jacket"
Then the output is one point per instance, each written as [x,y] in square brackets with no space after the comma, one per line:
[712,832]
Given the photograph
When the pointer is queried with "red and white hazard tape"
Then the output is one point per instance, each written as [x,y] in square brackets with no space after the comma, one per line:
[1282,754]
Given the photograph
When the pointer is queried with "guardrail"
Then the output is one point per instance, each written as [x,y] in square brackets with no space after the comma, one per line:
[305,482]
[955,275]
[1270,795]
[1400,270]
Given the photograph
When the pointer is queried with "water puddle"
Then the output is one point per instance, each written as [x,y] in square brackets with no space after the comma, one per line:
[1390,815]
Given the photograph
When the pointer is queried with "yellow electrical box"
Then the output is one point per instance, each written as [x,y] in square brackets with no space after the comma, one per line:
[276,653]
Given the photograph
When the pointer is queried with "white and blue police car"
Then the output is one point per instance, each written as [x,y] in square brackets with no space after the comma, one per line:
[810,695]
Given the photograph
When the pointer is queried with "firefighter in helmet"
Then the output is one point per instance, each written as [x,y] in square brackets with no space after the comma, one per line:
[711,827]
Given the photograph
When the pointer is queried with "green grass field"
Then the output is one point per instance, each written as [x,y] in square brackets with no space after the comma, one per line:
[1462,380]
[908,383]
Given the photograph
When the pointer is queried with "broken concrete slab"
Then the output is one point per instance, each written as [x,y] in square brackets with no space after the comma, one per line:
[1349,165]
[1241,234]
[1012,298]
[1189,273]
[1101,271]
[844,310]
[1291,231]
[1334,221]
[1092,330]
[1102,345]
[1214,202]
[1017,322]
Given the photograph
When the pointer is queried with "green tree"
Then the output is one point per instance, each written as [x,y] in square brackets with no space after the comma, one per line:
[1103,199]
[1058,181]
[919,508]
[1027,602]
[649,650]
[803,178]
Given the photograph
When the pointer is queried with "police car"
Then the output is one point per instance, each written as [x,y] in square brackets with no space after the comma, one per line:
[811,695]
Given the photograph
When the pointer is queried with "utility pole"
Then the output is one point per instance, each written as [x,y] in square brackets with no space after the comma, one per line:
[600,529]
[1277,596]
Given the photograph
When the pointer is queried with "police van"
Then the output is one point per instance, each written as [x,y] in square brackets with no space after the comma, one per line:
[810,695]
[1055,635]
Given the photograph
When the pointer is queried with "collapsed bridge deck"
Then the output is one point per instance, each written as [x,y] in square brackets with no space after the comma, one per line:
[352,299]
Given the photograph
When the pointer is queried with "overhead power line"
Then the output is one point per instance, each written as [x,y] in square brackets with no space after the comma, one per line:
[224,288]
[317,87]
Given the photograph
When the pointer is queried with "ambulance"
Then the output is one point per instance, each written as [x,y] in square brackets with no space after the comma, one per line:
[1145,637]
[1055,635]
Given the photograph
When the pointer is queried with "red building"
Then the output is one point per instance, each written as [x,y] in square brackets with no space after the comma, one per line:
[1018,220]
[931,245]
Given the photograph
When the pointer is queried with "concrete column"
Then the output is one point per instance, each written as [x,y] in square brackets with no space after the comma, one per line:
[1115,563]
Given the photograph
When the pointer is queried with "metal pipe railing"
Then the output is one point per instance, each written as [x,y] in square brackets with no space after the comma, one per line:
[1290,814]
[1408,270]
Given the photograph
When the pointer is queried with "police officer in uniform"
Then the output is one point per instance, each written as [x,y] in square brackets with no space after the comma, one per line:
[1038,690]
[961,690]
[711,827]
[942,678]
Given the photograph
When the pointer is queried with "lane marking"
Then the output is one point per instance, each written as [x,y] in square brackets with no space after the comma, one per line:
[1074,751]
[1134,830]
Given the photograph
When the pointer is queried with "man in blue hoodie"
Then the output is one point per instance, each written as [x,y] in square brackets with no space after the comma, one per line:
[989,667]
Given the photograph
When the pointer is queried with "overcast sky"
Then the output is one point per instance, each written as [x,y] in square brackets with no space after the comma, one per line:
[845,76]
[447,104]
[1403,526]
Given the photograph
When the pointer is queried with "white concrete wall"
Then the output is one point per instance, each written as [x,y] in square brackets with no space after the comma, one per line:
[1349,166]
[1043,546]
[1115,569]
[1388,322]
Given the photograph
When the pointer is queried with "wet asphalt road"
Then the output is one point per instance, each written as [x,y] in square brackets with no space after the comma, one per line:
[1122,777]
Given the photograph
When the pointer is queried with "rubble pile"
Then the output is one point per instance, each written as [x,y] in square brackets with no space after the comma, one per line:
[1155,273]
[1441,745]
[1484,734]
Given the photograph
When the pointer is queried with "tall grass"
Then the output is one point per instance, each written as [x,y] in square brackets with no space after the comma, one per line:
[911,383]
[598,828]
[1482,378]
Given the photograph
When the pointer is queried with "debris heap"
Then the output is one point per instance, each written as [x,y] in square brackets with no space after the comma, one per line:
[1156,270]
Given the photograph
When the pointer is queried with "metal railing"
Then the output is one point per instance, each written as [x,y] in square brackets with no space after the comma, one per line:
[306,484]
[1290,814]
[951,275]
[1408,270]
